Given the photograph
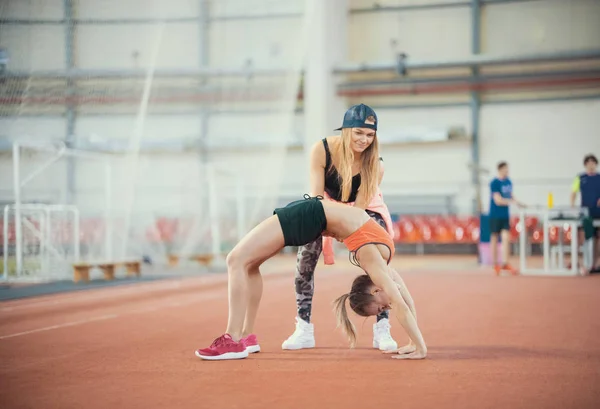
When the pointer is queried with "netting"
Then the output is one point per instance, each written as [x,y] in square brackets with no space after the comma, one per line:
[190,114]
[42,234]
[39,241]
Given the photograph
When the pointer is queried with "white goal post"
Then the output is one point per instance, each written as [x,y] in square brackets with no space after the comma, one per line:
[45,241]
[41,240]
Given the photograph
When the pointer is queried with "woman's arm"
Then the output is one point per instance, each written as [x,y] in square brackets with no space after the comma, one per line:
[371,261]
[317,169]
[403,291]
[411,347]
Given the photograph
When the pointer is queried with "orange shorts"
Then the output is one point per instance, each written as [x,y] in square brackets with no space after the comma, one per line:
[370,233]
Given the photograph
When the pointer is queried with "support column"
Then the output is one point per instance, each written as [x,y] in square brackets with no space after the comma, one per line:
[70,113]
[475,104]
[323,110]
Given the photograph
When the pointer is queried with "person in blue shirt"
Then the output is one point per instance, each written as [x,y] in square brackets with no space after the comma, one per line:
[501,198]
[588,185]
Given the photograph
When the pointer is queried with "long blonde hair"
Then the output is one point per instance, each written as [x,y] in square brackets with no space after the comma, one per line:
[343,158]
[359,297]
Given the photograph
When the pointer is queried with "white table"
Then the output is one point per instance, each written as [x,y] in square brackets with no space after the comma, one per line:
[548,219]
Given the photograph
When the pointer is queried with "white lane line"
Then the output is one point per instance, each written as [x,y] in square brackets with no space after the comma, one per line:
[84,295]
[194,298]
[66,324]
[130,288]
[155,307]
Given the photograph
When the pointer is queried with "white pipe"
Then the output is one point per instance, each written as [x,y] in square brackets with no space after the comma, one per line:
[42,167]
[574,250]
[167,72]
[5,247]
[561,249]
[108,234]
[522,241]
[45,254]
[546,243]
[241,209]
[66,151]
[87,154]
[17,189]
[59,207]
[477,60]
[76,233]
[44,226]
[35,206]
[213,211]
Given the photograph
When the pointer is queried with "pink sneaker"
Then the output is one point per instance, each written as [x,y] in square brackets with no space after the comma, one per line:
[223,348]
[251,343]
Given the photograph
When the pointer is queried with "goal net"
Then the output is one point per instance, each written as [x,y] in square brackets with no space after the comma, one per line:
[42,234]
[39,241]
[171,128]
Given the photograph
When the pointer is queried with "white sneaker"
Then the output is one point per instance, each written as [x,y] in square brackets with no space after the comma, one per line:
[382,339]
[303,337]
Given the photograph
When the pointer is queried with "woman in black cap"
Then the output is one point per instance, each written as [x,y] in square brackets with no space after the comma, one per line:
[346,169]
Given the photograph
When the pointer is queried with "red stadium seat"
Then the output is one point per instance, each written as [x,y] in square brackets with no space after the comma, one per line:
[531,222]
[515,230]
[444,234]
[461,235]
[408,231]
[553,234]
[537,235]
[443,230]
[425,232]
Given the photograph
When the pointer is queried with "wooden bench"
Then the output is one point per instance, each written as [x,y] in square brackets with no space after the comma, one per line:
[203,259]
[173,260]
[81,271]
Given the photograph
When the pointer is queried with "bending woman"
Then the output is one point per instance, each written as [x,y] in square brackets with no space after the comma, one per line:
[346,169]
[298,223]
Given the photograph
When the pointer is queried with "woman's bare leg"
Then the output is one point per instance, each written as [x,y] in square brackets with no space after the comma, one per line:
[255,289]
[257,246]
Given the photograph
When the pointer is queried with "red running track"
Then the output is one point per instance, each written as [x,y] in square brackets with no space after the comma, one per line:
[507,342]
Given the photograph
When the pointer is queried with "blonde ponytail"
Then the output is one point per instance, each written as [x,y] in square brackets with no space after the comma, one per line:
[342,320]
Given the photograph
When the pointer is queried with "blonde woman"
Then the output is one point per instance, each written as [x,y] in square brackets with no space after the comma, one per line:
[346,169]
[297,224]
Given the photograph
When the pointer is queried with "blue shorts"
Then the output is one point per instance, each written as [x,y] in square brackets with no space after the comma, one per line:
[497,225]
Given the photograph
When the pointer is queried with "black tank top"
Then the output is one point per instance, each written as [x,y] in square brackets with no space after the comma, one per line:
[332,179]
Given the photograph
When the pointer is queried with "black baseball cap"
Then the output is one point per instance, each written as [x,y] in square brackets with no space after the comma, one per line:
[359,116]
